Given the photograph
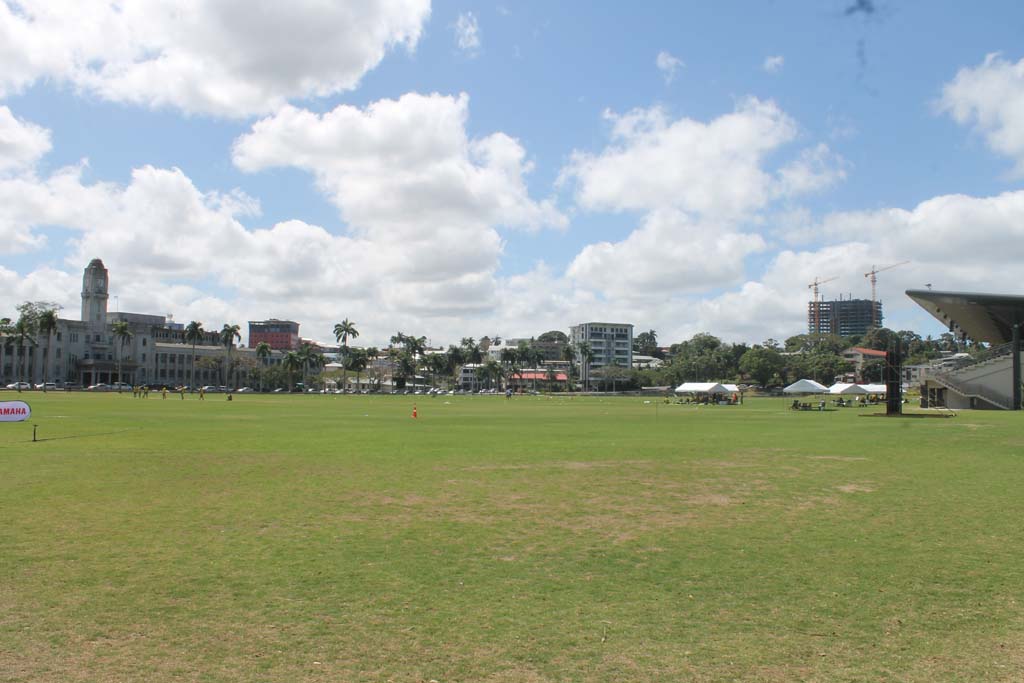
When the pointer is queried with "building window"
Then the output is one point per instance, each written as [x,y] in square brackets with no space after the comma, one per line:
[143,341]
[58,336]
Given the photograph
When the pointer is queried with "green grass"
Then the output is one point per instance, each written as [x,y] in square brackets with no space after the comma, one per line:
[313,538]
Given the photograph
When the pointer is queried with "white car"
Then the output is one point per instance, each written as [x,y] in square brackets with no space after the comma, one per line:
[47,386]
[19,385]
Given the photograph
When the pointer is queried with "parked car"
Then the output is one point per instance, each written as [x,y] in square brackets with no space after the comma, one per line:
[47,386]
[98,387]
[210,388]
[244,390]
[19,385]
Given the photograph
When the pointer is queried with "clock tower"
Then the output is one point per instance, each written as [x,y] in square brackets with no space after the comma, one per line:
[95,282]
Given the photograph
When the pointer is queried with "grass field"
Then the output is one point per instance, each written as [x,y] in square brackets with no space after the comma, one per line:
[321,538]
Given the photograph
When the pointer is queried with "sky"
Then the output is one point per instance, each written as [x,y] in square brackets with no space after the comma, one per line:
[455,169]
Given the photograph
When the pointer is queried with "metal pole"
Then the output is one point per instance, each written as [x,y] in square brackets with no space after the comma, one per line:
[1016,366]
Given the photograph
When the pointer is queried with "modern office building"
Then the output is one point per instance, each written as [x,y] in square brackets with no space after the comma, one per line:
[281,335]
[844,317]
[610,344]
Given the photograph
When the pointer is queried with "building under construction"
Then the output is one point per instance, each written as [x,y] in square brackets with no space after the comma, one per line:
[844,317]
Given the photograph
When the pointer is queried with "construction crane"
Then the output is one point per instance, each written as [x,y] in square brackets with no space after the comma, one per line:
[871,275]
[814,286]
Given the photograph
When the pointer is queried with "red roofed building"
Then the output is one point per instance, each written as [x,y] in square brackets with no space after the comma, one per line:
[858,355]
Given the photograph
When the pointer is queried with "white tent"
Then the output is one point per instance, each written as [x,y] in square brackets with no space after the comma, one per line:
[732,388]
[842,389]
[805,386]
[701,388]
[875,388]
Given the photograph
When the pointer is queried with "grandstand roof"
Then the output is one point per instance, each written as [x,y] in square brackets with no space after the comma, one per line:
[983,317]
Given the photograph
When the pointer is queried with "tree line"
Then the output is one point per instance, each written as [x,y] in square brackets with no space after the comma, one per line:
[703,357]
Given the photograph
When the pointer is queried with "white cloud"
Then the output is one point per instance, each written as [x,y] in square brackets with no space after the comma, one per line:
[773,64]
[668,65]
[815,169]
[426,200]
[668,253]
[991,98]
[467,33]
[22,144]
[222,57]
[701,187]
[713,168]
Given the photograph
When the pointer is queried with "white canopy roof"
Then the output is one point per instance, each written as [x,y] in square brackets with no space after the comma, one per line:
[805,386]
[734,388]
[701,388]
[874,388]
[846,389]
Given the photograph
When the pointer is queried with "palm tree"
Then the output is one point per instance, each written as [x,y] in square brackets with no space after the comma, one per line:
[372,354]
[291,363]
[344,331]
[23,332]
[471,352]
[569,356]
[47,325]
[305,355]
[263,352]
[356,362]
[228,335]
[122,335]
[586,355]
[454,359]
[316,361]
[194,333]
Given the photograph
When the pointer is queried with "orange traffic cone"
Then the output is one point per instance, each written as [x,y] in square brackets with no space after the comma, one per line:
[414,411]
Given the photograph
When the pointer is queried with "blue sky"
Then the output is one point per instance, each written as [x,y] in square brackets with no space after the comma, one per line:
[462,169]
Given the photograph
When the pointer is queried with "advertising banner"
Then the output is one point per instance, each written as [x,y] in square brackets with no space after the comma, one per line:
[14,411]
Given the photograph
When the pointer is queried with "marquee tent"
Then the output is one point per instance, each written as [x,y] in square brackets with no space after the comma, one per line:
[701,388]
[805,386]
[842,389]
[875,388]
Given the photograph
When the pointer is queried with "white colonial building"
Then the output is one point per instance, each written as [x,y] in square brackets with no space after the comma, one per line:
[86,351]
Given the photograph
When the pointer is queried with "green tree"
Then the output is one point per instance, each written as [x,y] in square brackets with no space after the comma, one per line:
[122,335]
[194,333]
[646,343]
[344,331]
[47,326]
[761,364]
[290,363]
[228,335]
[372,355]
[454,358]
[554,336]
[263,352]
[585,354]
[23,334]
[356,361]
[569,356]
[471,351]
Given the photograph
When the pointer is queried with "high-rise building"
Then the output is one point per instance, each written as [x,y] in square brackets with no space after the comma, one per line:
[281,335]
[844,317]
[610,344]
